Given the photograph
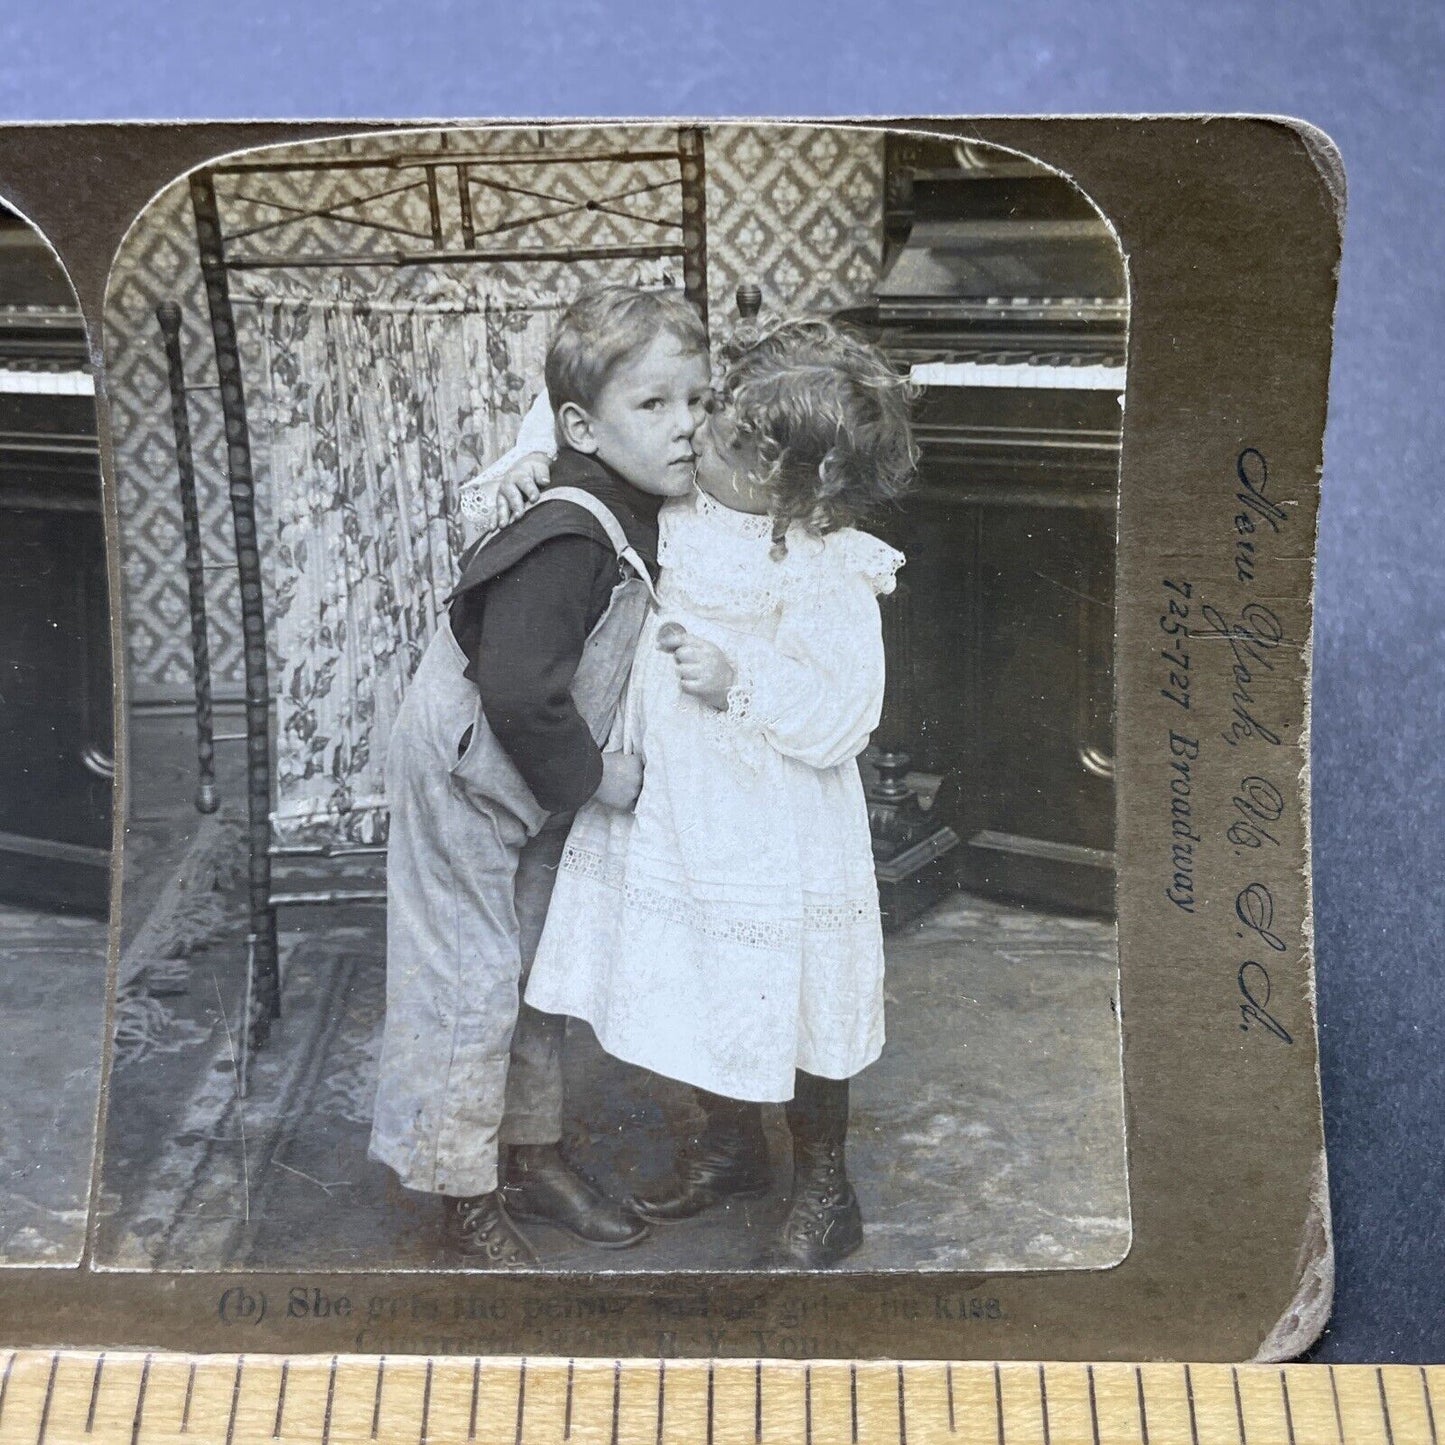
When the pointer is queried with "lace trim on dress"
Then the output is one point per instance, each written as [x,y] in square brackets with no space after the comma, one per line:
[734,728]
[477,502]
[742,524]
[702,571]
[729,573]
[740,703]
[835,917]
[832,917]
[873,557]
[718,595]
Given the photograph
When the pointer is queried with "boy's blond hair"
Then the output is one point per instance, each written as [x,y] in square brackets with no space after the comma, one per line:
[604,327]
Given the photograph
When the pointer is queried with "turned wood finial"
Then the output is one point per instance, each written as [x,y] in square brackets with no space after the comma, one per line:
[750,300]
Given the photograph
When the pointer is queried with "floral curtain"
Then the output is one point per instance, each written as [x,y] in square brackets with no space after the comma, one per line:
[370,405]
[368,416]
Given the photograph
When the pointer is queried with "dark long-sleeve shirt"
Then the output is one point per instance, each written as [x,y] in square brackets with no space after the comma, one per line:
[535,620]
[524,625]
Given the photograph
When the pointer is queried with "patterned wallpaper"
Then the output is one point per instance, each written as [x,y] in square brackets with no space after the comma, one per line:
[797,209]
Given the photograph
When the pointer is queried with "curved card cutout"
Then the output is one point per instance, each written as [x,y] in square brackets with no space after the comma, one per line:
[390,297]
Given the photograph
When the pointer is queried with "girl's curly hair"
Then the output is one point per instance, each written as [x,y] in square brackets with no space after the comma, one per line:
[829,418]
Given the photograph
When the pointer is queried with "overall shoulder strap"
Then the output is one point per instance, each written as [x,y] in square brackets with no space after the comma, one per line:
[609,524]
[598,508]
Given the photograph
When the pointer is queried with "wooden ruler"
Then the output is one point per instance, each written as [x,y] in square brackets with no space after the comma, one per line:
[52,1398]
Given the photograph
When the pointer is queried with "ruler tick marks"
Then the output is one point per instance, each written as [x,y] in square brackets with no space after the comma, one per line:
[281,1400]
[521,1398]
[330,1401]
[235,1399]
[140,1399]
[376,1404]
[49,1392]
[134,1402]
[95,1394]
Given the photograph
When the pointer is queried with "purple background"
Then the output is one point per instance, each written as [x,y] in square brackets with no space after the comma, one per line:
[1369,77]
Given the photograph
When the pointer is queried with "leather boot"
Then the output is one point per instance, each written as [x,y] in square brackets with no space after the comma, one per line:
[726,1159]
[824,1224]
[479,1230]
[542,1185]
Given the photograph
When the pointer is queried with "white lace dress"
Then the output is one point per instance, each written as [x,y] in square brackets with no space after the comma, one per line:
[727,931]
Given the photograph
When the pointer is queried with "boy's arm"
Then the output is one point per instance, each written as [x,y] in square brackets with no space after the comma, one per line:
[538,431]
[535,620]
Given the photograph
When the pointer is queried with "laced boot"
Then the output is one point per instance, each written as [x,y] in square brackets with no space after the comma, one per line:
[480,1231]
[824,1224]
[543,1185]
[726,1159]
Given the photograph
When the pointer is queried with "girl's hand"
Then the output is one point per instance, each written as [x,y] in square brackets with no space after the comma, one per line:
[621,780]
[702,669]
[492,505]
[521,484]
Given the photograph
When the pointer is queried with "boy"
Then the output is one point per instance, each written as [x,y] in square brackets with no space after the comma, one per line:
[497,743]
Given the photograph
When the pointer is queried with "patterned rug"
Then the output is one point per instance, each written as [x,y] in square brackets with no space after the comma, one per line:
[52,1001]
[988,1137]
[191,910]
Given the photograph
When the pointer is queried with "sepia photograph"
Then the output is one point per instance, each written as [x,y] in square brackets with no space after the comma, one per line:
[757,799]
[620,707]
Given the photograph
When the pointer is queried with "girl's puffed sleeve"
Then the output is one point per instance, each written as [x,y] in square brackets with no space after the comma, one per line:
[477,498]
[815,692]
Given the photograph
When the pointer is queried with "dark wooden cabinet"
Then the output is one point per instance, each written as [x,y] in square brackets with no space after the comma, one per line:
[1011,568]
[1003,294]
[56,743]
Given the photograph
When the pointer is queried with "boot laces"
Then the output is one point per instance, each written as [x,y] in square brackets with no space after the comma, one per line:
[482,1222]
[820,1189]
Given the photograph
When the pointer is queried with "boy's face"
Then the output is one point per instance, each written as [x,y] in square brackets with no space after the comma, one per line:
[643,421]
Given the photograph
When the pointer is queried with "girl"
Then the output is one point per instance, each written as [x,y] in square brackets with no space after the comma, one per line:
[727,933]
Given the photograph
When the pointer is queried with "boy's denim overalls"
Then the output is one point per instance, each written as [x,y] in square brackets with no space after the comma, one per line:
[471,861]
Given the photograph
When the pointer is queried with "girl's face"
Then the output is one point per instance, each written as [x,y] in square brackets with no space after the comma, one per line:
[727,463]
